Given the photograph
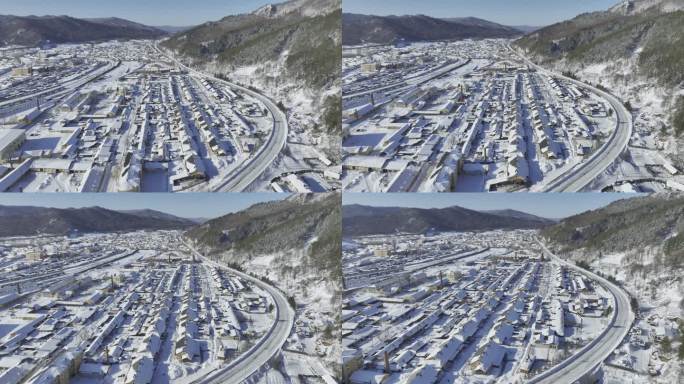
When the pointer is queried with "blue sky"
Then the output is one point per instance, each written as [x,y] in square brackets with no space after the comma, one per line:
[550,205]
[509,12]
[151,12]
[184,12]
[191,205]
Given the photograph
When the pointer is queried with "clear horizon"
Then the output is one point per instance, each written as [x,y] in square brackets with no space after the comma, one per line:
[536,13]
[546,205]
[186,205]
[175,13]
[211,205]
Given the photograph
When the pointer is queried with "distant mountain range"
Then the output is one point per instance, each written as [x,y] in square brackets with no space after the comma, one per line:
[173,29]
[36,30]
[28,220]
[527,28]
[358,29]
[360,220]
[160,215]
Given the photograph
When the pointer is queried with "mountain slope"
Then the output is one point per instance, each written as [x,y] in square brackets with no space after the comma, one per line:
[116,22]
[636,48]
[281,226]
[638,242]
[26,220]
[364,220]
[291,50]
[626,225]
[657,38]
[303,39]
[296,244]
[358,29]
[35,30]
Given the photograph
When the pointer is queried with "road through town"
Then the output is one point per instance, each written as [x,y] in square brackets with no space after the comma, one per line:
[240,178]
[590,356]
[587,171]
[266,348]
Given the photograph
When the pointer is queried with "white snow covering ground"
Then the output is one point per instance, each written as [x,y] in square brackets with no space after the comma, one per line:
[317,298]
[653,106]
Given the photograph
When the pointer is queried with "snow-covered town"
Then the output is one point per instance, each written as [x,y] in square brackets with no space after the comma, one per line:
[140,307]
[475,115]
[125,116]
[460,307]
